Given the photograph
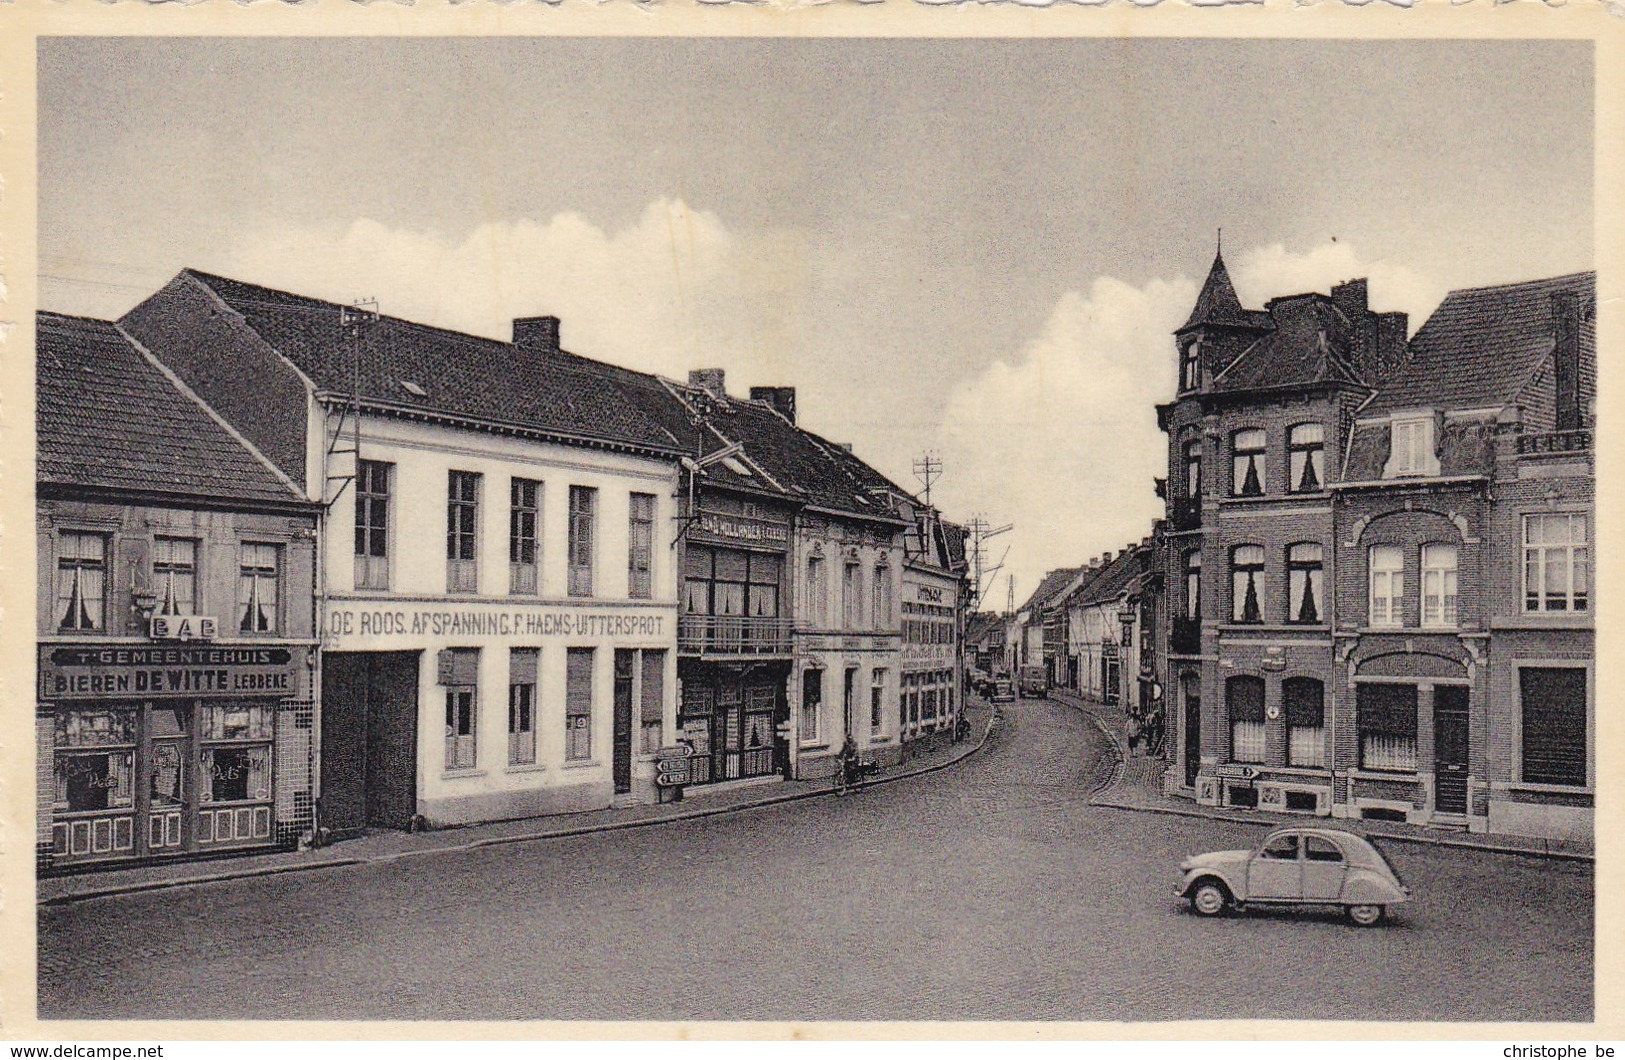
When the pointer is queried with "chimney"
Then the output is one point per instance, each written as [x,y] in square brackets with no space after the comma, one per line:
[708,379]
[1352,298]
[780,398]
[1566,314]
[845,447]
[540,334]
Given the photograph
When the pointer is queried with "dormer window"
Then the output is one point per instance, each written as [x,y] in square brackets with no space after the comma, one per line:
[1411,446]
[1190,372]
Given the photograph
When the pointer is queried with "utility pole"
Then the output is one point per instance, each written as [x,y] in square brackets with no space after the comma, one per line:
[927,469]
[355,322]
[980,530]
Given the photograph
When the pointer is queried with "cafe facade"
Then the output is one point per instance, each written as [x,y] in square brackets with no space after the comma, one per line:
[175,611]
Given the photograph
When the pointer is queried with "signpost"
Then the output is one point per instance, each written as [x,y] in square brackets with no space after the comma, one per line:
[672,770]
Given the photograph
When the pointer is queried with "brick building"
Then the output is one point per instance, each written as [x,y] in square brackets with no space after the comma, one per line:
[1353,522]
[176,615]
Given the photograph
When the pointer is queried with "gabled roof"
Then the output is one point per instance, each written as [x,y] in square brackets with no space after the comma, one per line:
[1218,304]
[416,366]
[1481,346]
[1052,583]
[1110,582]
[1313,342]
[108,418]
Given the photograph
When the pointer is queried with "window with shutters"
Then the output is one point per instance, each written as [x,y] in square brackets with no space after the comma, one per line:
[1244,696]
[651,700]
[1303,583]
[1385,716]
[1304,700]
[522,706]
[883,596]
[81,581]
[1552,703]
[817,593]
[1387,585]
[462,531]
[1247,583]
[372,485]
[1247,463]
[852,596]
[460,676]
[1439,584]
[640,549]
[583,528]
[578,705]
[1305,448]
[524,538]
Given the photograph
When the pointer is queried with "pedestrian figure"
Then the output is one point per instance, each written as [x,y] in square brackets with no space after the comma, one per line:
[1134,737]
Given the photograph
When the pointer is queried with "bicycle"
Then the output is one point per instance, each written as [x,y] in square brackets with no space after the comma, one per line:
[851,770]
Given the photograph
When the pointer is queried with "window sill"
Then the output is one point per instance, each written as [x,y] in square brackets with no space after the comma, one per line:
[1544,620]
[1265,627]
[817,745]
[1411,777]
[526,767]
[1515,786]
[583,764]
[461,774]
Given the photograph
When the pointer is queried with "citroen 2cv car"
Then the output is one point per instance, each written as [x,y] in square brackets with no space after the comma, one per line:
[1296,865]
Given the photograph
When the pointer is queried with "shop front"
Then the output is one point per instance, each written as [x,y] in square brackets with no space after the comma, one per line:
[159,751]
[730,717]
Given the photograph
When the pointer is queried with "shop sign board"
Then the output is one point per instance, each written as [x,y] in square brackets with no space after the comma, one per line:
[384,619]
[183,627]
[164,671]
[740,528]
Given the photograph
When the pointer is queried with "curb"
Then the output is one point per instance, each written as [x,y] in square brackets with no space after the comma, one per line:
[496,841]
[1114,777]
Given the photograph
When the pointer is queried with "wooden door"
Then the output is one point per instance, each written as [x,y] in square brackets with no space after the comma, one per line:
[1450,749]
[624,662]
[344,743]
[392,739]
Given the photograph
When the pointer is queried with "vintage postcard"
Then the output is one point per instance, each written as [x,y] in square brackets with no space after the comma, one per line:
[888,521]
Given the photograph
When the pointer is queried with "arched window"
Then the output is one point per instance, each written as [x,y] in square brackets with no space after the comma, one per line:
[1247,456]
[1305,702]
[1244,699]
[1306,444]
[1303,580]
[1247,583]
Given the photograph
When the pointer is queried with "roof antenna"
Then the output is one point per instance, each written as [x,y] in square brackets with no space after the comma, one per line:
[1220,251]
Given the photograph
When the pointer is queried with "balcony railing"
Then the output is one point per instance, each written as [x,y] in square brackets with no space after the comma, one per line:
[1577,441]
[1187,637]
[1186,513]
[733,635]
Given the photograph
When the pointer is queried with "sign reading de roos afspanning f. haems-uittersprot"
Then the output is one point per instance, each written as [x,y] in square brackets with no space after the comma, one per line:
[152,671]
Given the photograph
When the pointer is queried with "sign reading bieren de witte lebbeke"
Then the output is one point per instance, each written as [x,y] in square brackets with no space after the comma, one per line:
[138,670]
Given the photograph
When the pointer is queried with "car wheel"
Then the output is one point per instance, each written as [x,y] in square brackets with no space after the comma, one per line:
[1366,915]
[1209,898]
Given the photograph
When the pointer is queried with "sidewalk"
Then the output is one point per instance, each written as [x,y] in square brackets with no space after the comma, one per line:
[924,756]
[1135,783]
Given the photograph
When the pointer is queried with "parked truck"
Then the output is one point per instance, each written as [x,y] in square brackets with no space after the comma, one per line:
[1033,681]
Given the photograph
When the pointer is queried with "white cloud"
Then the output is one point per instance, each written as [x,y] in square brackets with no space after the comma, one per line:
[1061,438]
[662,294]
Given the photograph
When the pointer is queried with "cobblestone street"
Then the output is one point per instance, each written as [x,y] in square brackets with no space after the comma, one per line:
[989,890]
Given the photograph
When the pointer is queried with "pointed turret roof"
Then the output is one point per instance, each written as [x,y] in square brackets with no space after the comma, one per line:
[1218,304]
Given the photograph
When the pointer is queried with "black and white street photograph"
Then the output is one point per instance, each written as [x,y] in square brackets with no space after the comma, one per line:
[814,529]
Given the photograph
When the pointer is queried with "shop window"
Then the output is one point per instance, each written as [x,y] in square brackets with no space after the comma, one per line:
[462,531]
[1303,581]
[81,581]
[1305,446]
[812,706]
[652,695]
[95,760]
[640,547]
[258,588]
[174,575]
[372,486]
[236,754]
[852,596]
[1439,584]
[522,666]
[524,539]
[583,528]
[237,774]
[1387,585]
[1553,710]
[1247,583]
[1556,562]
[1244,697]
[578,705]
[877,701]
[459,673]
[1304,699]
[1247,463]
[1385,715]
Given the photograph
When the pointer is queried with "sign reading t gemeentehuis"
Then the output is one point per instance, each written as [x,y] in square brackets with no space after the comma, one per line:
[355,619]
[159,672]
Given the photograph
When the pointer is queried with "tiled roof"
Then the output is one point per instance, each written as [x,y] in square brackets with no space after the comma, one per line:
[1218,304]
[1313,342]
[107,417]
[1480,346]
[452,373]
[1113,578]
[1052,583]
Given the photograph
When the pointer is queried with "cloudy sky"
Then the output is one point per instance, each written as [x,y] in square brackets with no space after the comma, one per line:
[976,248]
